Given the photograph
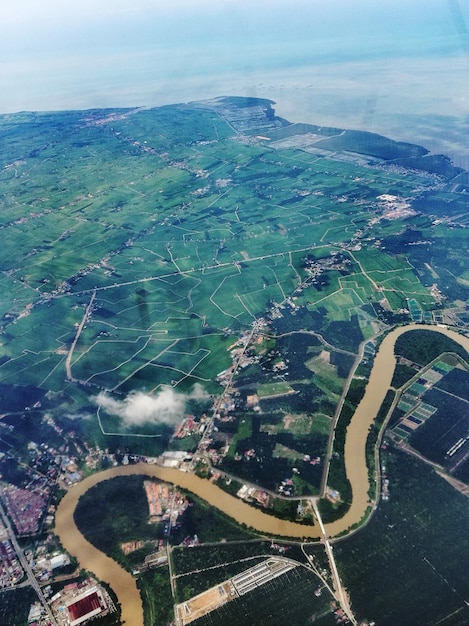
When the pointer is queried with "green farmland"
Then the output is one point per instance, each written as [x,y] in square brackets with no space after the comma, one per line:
[245,269]
[405,566]
[138,245]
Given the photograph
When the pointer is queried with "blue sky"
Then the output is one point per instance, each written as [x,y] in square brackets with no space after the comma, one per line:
[365,63]
[33,24]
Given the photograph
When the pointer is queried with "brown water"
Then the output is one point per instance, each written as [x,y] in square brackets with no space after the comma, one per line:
[109,571]
[357,431]
[93,560]
[124,584]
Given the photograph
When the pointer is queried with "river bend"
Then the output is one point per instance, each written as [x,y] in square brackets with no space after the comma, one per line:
[124,584]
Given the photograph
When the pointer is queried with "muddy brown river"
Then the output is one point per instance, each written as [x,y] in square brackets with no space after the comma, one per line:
[124,584]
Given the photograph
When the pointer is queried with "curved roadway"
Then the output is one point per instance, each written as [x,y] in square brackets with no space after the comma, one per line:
[124,584]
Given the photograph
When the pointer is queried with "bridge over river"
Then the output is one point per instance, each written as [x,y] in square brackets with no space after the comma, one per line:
[124,584]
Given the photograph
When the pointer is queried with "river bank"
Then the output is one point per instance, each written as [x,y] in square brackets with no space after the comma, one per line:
[124,584]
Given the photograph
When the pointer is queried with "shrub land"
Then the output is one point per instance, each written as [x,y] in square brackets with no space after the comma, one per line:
[405,566]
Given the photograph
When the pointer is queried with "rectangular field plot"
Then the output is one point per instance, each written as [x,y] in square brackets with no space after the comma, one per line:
[432,376]
[274,389]
[287,599]
[448,425]
[408,424]
[443,367]
[415,310]
[406,405]
[424,411]
[417,389]
[183,232]
[402,433]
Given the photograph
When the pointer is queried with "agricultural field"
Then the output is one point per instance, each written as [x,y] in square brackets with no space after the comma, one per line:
[152,240]
[443,437]
[284,437]
[432,414]
[405,567]
[289,598]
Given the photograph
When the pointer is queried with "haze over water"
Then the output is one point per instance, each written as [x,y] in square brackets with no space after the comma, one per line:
[397,68]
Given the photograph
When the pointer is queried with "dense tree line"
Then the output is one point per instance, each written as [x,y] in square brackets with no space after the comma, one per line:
[422,346]
[15,605]
[337,478]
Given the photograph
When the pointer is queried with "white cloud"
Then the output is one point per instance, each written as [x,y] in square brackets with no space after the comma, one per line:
[138,408]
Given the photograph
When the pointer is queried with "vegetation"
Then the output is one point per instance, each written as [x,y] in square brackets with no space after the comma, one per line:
[224,267]
[290,598]
[405,566]
[373,440]
[211,525]
[15,605]
[337,478]
[127,520]
[372,144]
[187,560]
[423,346]
[106,527]
[449,424]
[151,240]
[155,590]
[402,375]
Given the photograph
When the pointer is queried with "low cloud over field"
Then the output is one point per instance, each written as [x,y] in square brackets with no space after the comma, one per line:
[138,408]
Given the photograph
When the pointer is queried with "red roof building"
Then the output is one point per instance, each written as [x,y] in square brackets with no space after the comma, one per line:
[85,606]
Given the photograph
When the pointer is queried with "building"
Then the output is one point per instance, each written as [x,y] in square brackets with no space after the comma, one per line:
[88,604]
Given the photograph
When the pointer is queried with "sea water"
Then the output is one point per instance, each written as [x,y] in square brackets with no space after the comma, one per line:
[400,69]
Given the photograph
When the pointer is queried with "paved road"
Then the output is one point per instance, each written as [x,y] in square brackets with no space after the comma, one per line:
[176,272]
[68,360]
[25,565]
[340,593]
